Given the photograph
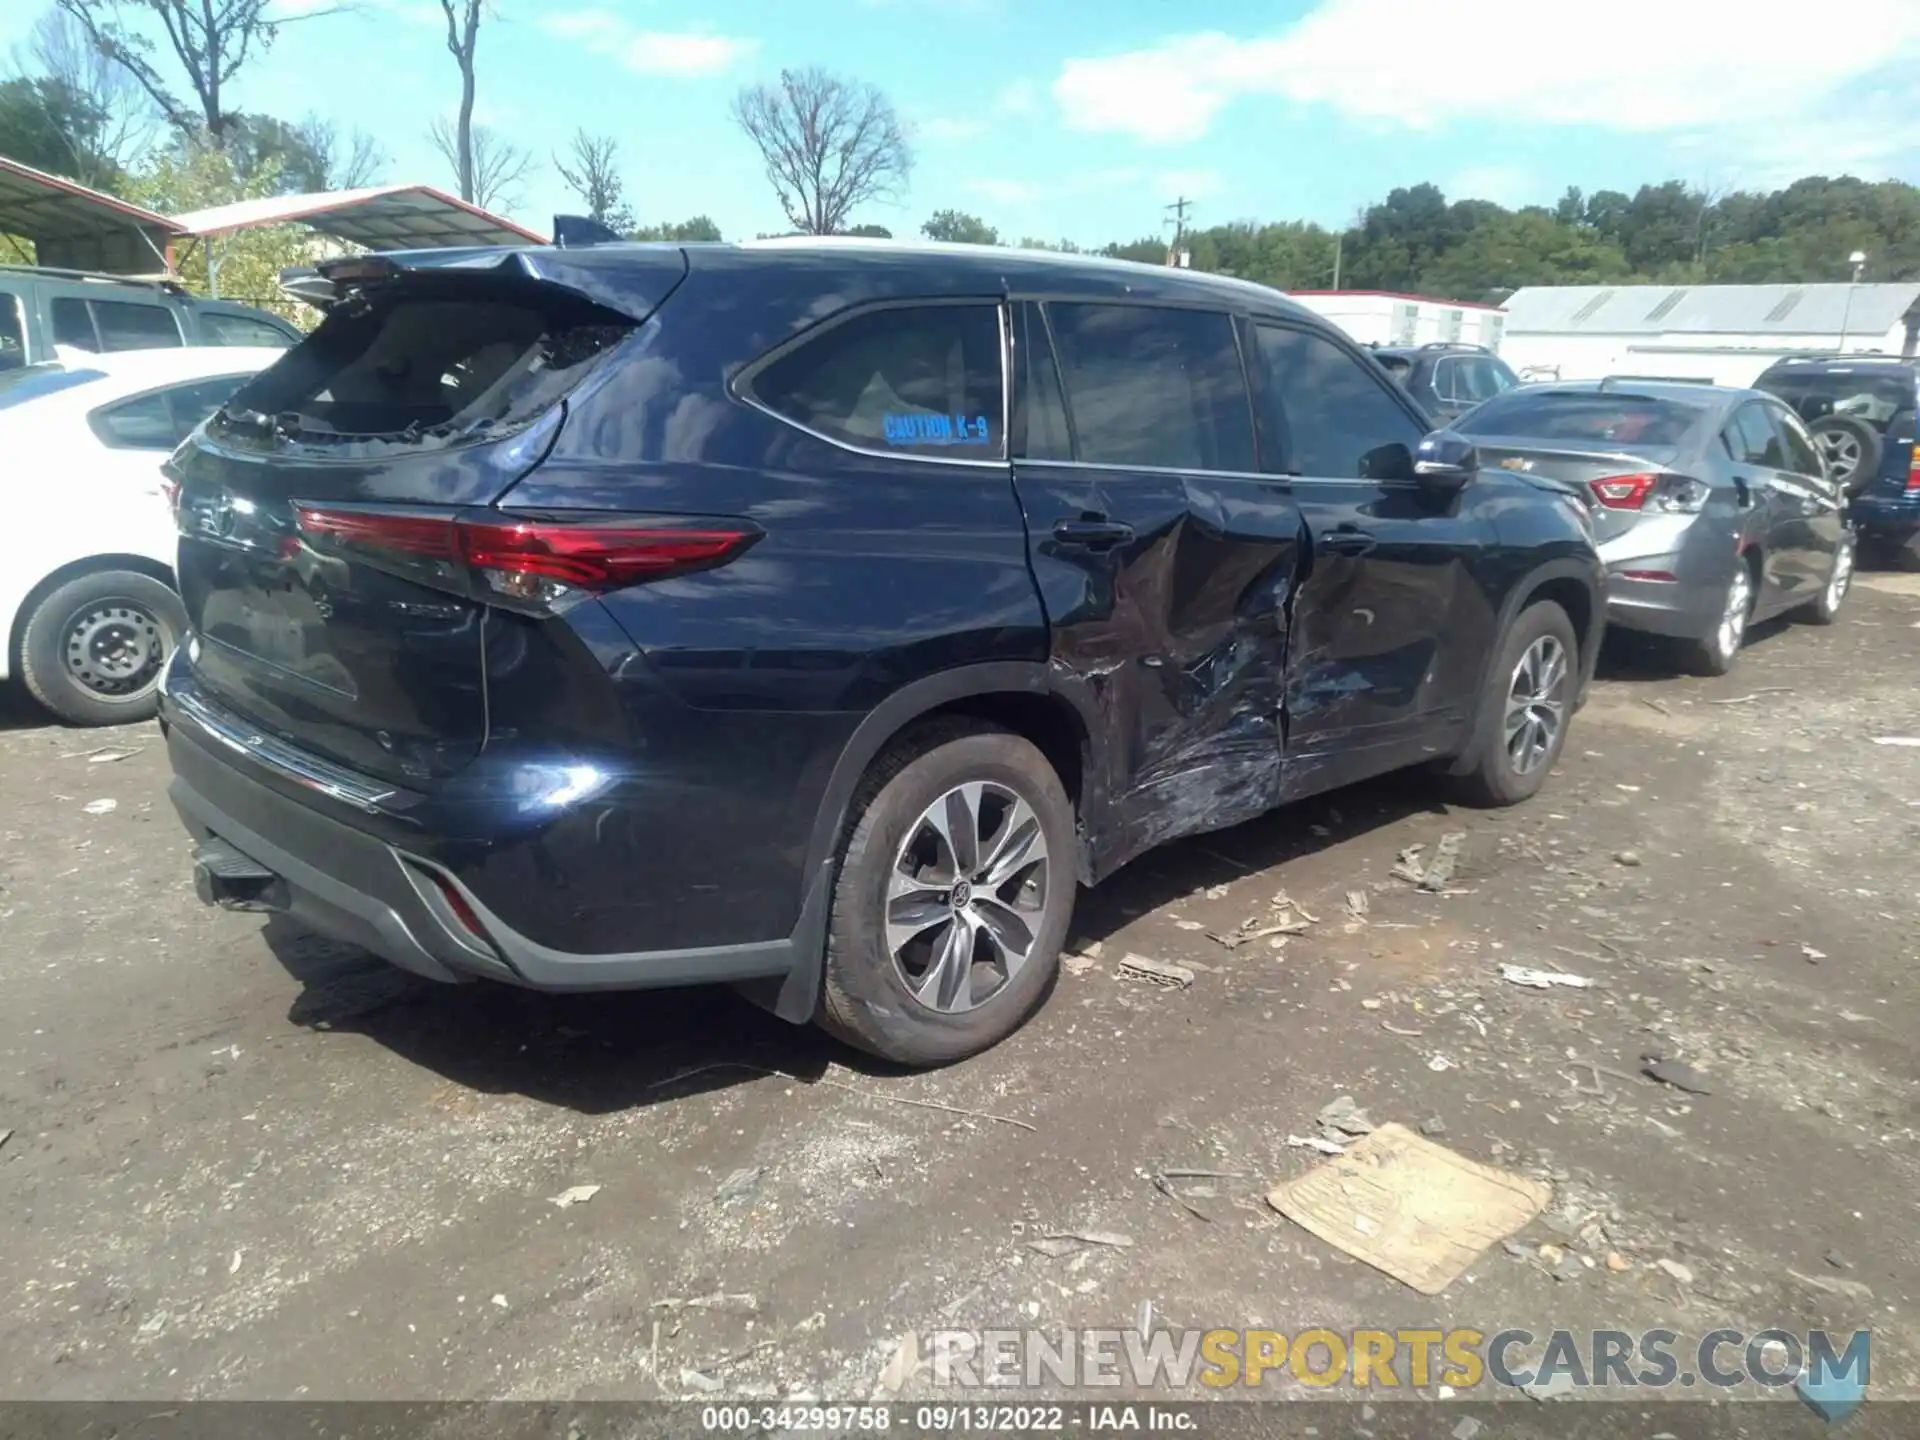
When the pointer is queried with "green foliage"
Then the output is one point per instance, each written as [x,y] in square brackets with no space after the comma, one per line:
[48,124]
[700,227]
[869,232]
[197,176]
[960,228]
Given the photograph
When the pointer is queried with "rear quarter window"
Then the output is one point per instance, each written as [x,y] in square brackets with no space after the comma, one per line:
[905,379]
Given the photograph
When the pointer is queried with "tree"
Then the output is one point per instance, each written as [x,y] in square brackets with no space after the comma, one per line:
[212,40]
[697,228]
[496,168]
[463,36]
[829,145]
[869,232]
[104,120]
[958,227]
[348,162]
[594,176]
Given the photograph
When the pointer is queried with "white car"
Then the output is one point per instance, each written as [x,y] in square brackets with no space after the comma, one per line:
[87,602]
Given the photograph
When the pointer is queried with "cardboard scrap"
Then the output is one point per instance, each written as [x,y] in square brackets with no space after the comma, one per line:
[1409,1207]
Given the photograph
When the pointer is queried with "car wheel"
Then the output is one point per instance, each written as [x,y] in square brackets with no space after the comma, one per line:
[93,649]
[1714,653]
[955,889]
[1851,449]
[1833,594]
[1524,712]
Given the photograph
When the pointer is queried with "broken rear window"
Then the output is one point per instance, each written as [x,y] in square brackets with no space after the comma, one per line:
[426,365]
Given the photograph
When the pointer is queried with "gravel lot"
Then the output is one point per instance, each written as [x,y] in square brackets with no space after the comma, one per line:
[247,1163]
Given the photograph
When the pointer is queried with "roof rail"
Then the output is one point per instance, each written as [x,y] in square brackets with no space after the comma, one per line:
[1454,345]
[169,283]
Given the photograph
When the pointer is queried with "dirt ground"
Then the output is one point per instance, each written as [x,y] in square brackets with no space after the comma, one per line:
[247,1163]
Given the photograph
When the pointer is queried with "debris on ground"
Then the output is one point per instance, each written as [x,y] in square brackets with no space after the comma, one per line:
[1410,1208]
[1543,979]
[720,1302]
[1676,1073]
[1557,1386]
[1433,1125]
[1164,1184]
[1078,964]
[1321,1143]
[101,807]
[1105,1238]
[1679,1273]
[1343,1117]
[1407,866]
[5,1136]
[1834,1285]
[1628,858]
[573,1195]
[740,1185]
[1357,904]
[1442,1063]
[1054,1249]
[691,1379]
[1159,972]
[1216,892]
[1434,875]
[1252,928]
[1811,955]
[105,755]
[1749,699]
[1189,925]
[1617,1262]
[1911,742]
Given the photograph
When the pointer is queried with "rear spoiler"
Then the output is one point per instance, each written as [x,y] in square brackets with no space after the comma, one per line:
[630,281]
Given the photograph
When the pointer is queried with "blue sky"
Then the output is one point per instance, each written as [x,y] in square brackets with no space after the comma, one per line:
[1062,118]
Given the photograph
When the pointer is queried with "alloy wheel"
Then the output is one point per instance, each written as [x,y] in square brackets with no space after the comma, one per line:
[1842,576]
[114,649]
[1536,704]
[966,895]
[1841,451]
[1733,618]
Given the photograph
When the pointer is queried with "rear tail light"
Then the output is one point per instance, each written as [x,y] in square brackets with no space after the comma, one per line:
[540,562]
[1913,471]
[1671,494]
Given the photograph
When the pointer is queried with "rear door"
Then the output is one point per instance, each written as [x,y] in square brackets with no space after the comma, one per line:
[1391,630]
[1164,560]
[317,555]
[1815,521]
[1779,526]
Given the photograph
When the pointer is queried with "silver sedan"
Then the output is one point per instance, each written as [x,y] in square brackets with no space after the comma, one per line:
[1711,506]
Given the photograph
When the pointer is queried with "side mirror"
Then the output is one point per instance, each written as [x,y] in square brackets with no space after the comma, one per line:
[1446,462]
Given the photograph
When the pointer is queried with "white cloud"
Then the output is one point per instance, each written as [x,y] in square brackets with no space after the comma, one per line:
[1646,66]
[650,52]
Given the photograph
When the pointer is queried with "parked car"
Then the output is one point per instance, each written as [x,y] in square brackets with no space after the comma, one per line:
[1447,379]
[48,315]
[632,616]
[86,557]
[1711,504]
[1860,411]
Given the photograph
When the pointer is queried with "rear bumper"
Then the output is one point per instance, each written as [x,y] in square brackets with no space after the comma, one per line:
[1697,552]
[1886,517]
[354,886]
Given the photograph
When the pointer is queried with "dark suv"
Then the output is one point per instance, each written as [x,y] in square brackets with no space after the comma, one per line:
[1447,379]
[818,616]
[1860,410]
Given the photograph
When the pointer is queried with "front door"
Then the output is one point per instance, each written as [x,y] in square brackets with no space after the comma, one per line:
[1164,560]
[1391,632]
[1812,511]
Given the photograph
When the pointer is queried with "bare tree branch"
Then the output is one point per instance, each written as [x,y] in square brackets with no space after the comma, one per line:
[347,164]
[829,144]
[500,169]
[211,41]
[118,116]
[594,175]
[463,37]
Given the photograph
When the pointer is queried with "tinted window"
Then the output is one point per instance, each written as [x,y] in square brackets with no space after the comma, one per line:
[240,330]
[1471,378]
[13,334]
[1584,416]
[1154,387]
[126,326]
[143,423]
[1330,411]
[1801,457]
[1043,406]
[193,403]
[73,325]
[1752,439]
[919,380]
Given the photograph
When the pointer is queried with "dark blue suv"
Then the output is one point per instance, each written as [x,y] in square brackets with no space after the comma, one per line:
[817,617]
[1860,411]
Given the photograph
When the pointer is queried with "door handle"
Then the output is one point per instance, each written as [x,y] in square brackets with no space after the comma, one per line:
[1347,540]
[1092,534]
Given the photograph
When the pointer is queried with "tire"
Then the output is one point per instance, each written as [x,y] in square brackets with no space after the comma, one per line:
[93,649]
[1833,594]
[1510,765]
[868,996]
[1851,449]
[1714,653]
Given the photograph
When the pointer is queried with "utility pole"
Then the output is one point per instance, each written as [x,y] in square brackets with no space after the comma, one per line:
[1177,254]
[1338,241]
